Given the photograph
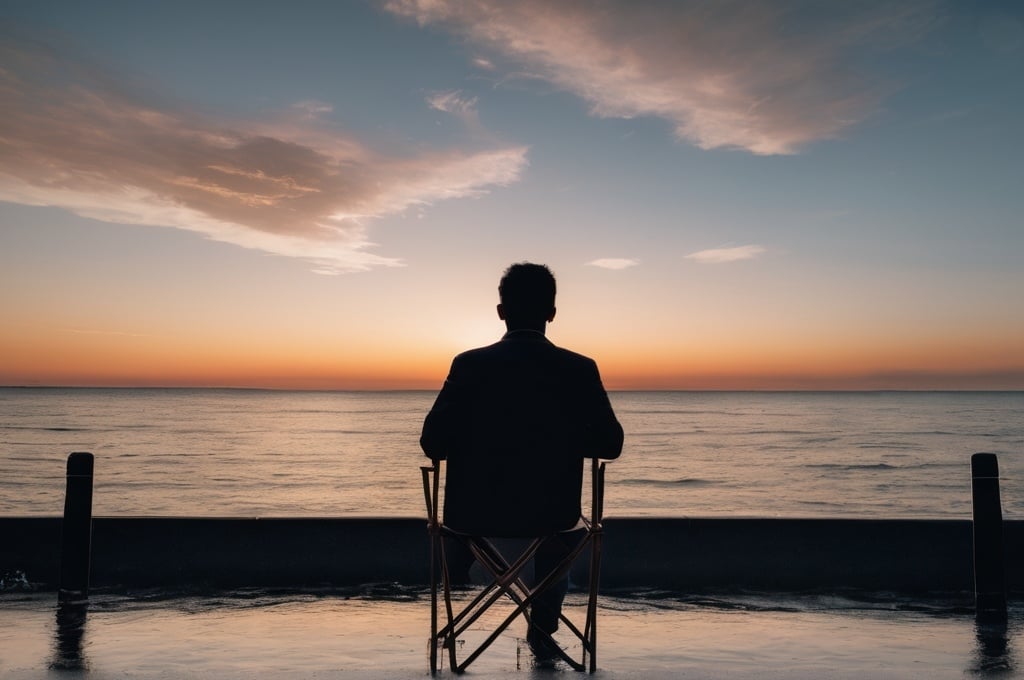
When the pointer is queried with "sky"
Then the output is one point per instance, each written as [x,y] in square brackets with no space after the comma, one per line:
[323,195]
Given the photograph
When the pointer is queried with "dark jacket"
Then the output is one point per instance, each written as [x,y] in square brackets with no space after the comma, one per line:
[514,421]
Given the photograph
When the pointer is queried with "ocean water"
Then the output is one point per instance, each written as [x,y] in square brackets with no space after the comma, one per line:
[206,452]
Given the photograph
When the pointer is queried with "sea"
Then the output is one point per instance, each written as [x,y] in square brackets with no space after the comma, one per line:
[262,453]
[251,453]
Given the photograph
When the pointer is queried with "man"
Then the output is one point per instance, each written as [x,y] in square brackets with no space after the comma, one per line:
[514,421]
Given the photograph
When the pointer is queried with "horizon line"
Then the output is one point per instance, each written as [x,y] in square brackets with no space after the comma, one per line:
[766,390]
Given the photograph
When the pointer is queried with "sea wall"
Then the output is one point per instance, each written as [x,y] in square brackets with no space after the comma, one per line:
[681,554]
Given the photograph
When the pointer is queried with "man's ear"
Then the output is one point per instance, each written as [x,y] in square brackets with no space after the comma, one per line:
[501,312]
[551,317]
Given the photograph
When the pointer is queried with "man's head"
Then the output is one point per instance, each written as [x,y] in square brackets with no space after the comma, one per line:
[527,293]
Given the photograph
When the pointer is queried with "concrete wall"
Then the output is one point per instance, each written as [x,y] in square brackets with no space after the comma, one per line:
[686,554]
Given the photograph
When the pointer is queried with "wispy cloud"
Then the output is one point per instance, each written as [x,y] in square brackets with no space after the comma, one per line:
[614,263]
[459,105]
[73,137]
[452,102]
[724,255]
[764,77]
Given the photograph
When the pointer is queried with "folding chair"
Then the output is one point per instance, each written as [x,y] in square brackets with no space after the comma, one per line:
[506,579]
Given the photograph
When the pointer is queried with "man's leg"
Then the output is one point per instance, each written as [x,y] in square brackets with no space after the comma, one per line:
[548,605]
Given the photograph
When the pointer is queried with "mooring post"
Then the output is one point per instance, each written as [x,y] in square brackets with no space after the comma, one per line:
[989,573]
[76,531]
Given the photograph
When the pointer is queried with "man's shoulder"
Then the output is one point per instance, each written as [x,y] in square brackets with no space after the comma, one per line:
[502,350]
[568,355]
[477,353]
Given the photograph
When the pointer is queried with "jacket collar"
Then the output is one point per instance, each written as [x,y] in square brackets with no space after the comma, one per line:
[525,334]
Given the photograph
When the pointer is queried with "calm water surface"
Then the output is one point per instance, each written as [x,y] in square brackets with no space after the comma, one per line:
[267,453]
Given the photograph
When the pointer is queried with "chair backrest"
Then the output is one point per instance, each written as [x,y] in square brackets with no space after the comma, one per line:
[513,497]
[491,518]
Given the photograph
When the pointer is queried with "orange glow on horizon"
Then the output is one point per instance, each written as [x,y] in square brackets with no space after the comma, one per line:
[374,352]
[82,359]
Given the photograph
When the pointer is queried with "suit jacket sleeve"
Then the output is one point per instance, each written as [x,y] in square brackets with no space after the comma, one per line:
[602,430]
[439,428]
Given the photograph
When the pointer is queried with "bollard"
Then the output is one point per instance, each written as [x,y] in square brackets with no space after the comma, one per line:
[989,575]
[76,531]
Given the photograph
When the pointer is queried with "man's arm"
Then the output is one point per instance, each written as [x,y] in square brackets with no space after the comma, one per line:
[439,427]
[603,431]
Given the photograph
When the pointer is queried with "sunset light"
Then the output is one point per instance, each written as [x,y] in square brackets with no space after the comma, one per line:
[779,198]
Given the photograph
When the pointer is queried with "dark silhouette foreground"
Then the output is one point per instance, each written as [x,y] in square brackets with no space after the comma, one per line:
[514,422]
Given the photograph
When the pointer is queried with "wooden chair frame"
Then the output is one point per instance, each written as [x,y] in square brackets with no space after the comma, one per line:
[507,580]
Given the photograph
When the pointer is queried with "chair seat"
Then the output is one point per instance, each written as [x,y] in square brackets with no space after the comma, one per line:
[581,524]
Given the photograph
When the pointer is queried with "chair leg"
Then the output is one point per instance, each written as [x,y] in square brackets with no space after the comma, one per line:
[595,582]
[433,604]
[507,581]
[446,633]
[527,596]
[506,577]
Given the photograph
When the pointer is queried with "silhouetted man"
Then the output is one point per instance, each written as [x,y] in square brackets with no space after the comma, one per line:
[514,421]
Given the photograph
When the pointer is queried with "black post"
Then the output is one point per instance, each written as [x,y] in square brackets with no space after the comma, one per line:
[76,532]
[989,575]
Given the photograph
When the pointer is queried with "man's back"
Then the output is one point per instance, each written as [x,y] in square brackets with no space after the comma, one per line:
[514,421]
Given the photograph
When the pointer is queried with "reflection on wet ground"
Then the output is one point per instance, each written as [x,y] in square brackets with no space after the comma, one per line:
[993,654]
[69,635]
[381,631]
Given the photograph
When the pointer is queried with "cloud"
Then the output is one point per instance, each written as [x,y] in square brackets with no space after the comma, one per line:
[460,106]
[311,108]
[614,263]
[724,255]
[764,77]
[452,102]
[74,138]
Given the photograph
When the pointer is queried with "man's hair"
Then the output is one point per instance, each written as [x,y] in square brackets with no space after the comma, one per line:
[527,292]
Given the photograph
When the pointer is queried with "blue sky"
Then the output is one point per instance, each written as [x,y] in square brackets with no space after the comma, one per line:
[732,194]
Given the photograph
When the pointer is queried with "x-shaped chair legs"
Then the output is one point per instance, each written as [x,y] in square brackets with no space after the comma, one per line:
[507,581]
